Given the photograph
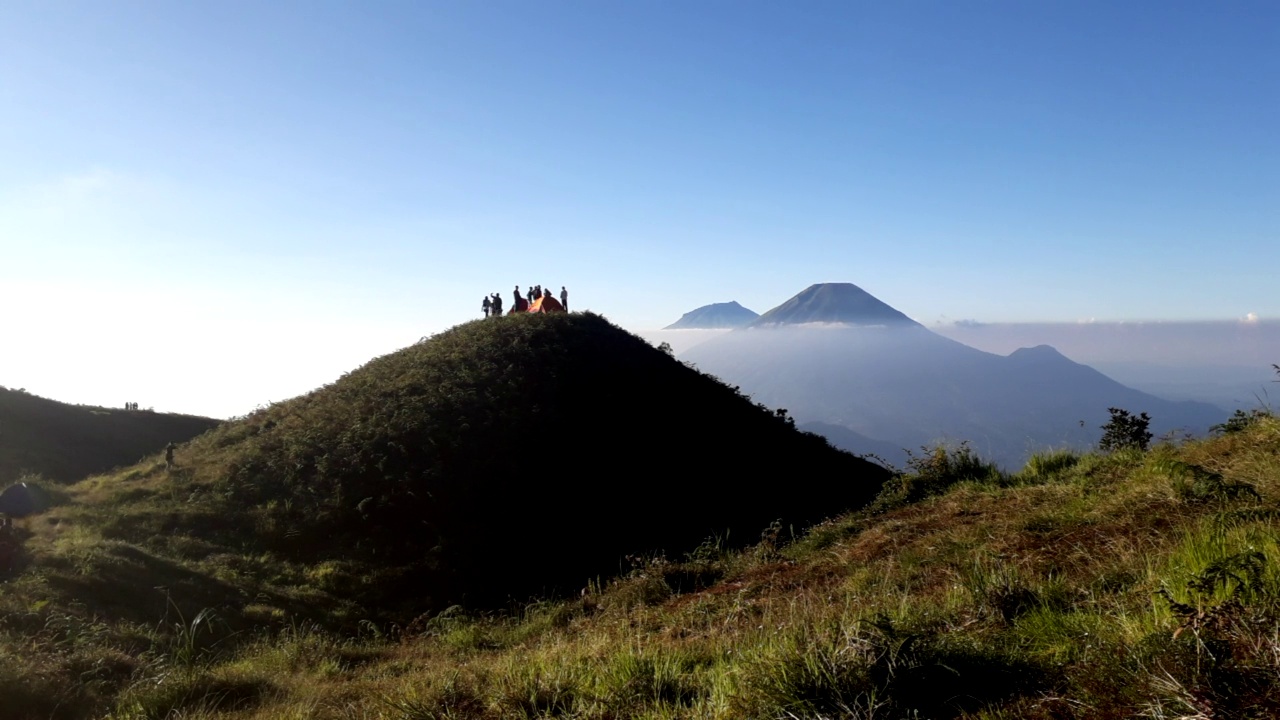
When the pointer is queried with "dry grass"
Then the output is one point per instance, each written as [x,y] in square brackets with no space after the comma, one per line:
[1031,596]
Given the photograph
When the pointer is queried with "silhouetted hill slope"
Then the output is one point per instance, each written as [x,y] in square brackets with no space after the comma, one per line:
[909,386]
[717,316]
[833,303]
[67,442]
[842,438]
[507,457]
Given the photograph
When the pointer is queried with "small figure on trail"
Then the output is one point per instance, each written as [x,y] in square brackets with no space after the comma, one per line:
[537,292]
[521,305]
[168,456]
[497,305]
[485,306]
[529,295]
[564,298]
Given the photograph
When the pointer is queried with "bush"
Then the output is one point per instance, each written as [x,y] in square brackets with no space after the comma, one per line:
[1125,430]
[1239,421]
[934,472]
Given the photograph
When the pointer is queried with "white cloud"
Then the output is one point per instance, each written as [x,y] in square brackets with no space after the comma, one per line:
[1250,319]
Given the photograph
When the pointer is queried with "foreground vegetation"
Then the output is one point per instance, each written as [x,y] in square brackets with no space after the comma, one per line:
[1129,584]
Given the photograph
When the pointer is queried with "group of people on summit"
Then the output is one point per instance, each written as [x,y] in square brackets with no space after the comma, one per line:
[535,297]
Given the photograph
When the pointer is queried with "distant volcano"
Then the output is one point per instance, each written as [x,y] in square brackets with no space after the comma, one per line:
[843,303]
[857,371]
[717,316]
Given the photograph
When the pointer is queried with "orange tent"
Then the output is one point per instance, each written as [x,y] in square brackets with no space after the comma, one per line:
[546,303]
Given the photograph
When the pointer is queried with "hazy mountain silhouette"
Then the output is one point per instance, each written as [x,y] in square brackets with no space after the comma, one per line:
[67,442]
[843,303]
[717,316]
[845,439]
[897,382]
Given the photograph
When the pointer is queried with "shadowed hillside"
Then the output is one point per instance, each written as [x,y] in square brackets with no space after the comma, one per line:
[524,455]
[500,459]
[1086,586]
[67,442]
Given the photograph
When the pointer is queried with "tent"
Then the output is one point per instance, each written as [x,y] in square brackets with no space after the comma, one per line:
[546,303]
[21,500]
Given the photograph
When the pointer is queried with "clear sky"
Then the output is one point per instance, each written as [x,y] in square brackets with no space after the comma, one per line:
[205,206]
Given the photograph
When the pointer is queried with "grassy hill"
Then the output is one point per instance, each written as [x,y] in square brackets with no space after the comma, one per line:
[1132,584]
[1086,585]
[504,459]
[63,442]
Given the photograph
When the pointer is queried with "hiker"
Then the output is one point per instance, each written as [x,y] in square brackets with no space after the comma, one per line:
[521,305]
[497,305]
[168,456]
[564,298]
[485,306]
[528,296]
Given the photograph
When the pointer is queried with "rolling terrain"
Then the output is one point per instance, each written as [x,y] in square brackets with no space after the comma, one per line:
[62,442]
[303,562]
[524,457]
[1085,586]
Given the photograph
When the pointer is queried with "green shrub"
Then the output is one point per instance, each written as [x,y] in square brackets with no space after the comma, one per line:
[935,472]
[1240,421]
[1125,430]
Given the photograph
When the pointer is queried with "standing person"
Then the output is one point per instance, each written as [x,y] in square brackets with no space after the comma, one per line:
[168,456]
[529,295]
[485,306]
[497,305]
[564,298]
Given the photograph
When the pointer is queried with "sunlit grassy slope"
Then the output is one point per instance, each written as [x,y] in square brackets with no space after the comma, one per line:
[1085,586]
[63,443]
[1128,585]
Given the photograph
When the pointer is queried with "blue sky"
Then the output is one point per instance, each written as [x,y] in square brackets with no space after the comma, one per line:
[276,192]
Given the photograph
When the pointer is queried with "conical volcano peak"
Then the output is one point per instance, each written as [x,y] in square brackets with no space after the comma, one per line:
[843,303]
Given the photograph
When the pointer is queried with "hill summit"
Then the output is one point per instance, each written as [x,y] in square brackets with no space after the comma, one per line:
[843,303]
[716,316]
[512,457]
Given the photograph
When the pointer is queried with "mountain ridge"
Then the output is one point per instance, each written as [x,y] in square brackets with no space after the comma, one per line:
[716,316]
[842,303]
[903,384]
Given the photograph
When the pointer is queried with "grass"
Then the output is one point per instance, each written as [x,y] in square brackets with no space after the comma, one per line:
[1034,598]
[63,443]
[1085,585]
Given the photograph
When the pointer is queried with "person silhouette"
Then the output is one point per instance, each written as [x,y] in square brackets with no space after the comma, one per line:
[486,305]
[564,298]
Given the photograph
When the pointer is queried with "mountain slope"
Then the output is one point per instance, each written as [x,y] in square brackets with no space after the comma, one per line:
[67,442]
[844,303]
[501,459]
[906,385]
[717,316]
